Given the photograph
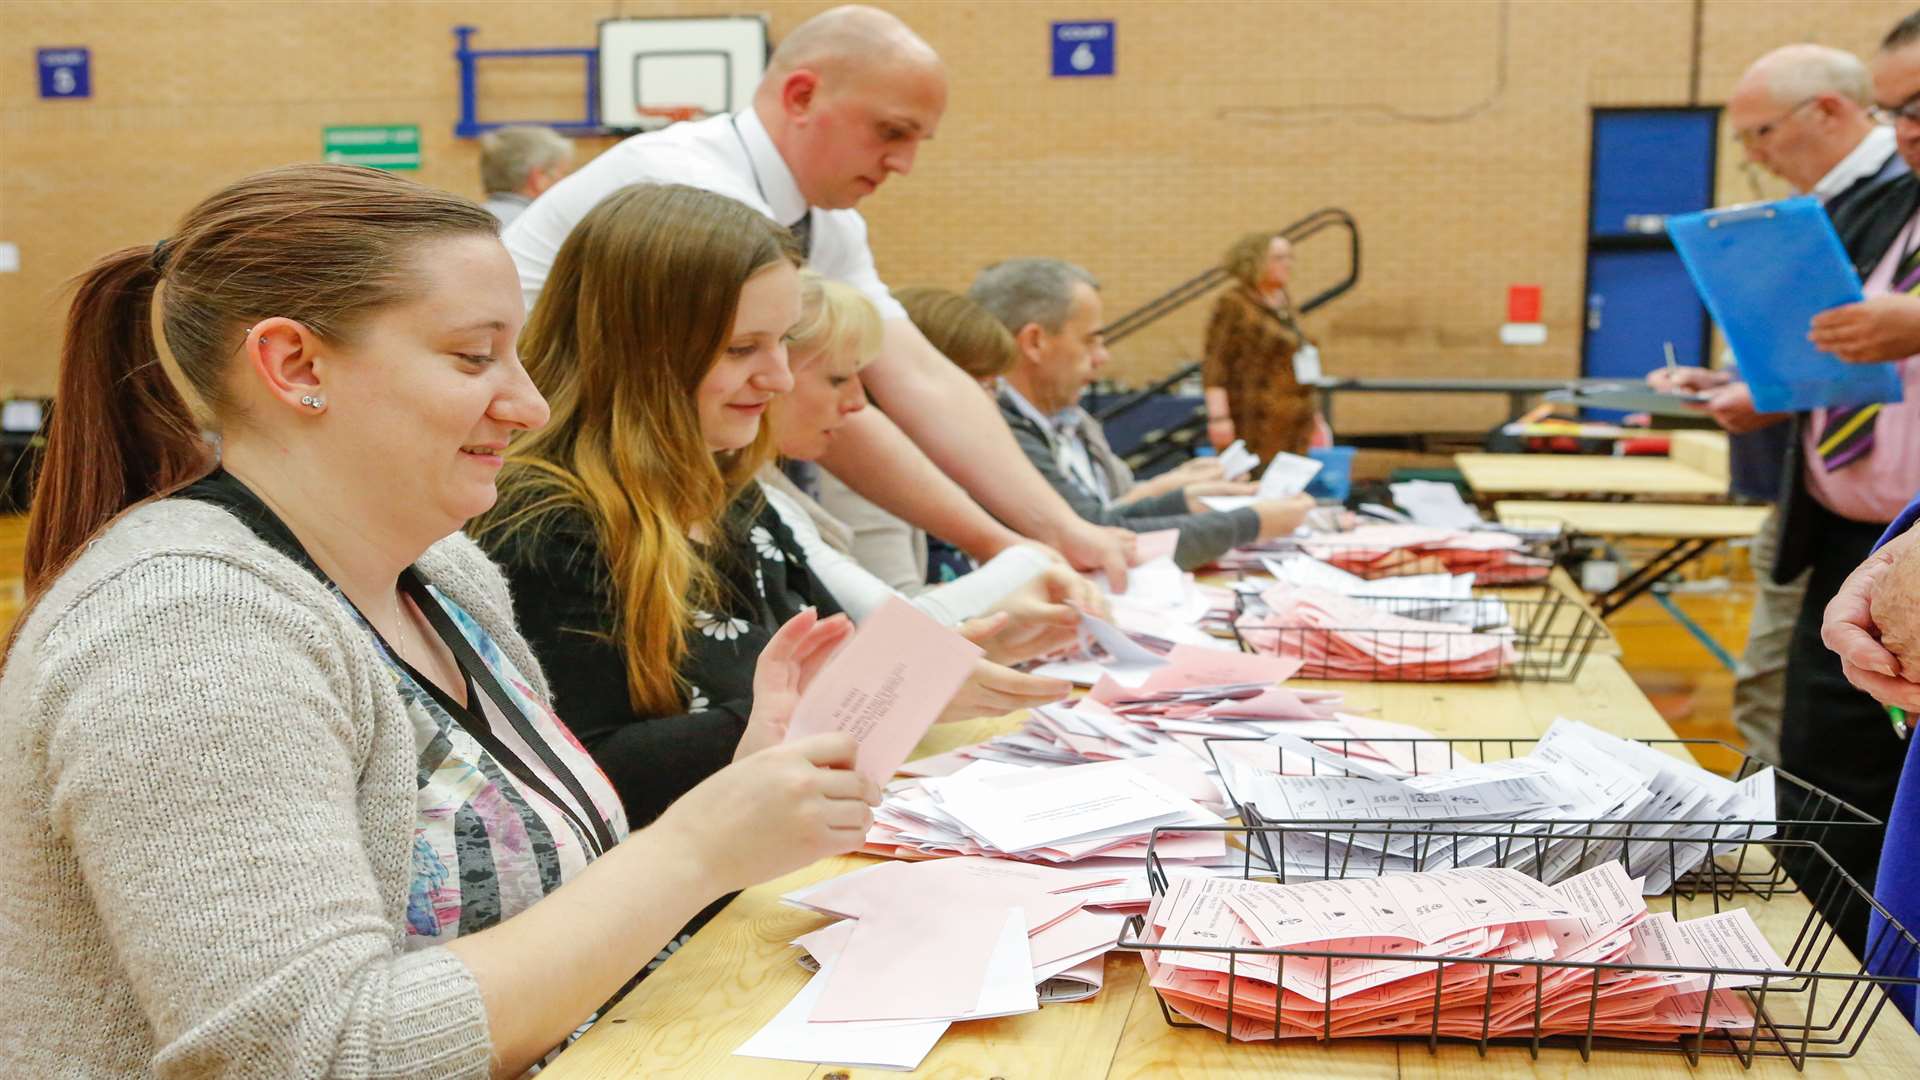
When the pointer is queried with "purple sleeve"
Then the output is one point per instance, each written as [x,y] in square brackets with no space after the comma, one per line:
[1901,523]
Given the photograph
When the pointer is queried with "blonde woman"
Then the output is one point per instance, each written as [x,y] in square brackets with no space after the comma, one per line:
[284,793]
[1252,390]
[837,336]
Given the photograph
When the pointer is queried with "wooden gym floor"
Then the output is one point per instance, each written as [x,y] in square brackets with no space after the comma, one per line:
[1685,682]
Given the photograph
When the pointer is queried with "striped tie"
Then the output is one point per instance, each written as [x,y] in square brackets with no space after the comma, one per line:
[1846,432]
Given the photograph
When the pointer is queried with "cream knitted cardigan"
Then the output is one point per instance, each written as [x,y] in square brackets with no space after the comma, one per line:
[207,786]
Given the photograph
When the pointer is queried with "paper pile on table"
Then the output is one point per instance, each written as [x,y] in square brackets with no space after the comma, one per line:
[1496,557]
[1447,598]
[1338,637]
[922,946]
[1104,810]
[1659,813]
[1469,917]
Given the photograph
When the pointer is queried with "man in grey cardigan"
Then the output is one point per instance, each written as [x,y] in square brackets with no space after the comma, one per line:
[1052,308]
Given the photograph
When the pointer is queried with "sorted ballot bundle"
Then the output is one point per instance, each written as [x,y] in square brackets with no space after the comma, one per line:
[1493,556]
[1469,930]
[1340,637]
[1625,800]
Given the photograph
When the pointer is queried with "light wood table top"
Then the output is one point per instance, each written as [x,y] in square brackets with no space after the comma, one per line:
[1654,521]
[1585,475]
[737,972]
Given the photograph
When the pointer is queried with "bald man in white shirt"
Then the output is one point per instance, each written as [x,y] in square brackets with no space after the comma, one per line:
[847,100]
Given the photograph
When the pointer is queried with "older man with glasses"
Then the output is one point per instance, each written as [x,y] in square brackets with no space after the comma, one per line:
[1850,472]
[1804,114]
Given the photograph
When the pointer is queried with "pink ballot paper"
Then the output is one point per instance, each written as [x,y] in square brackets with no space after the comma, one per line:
[886,686]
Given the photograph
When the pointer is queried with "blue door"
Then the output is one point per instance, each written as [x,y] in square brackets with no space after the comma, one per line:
[1636,302]
[1647,164]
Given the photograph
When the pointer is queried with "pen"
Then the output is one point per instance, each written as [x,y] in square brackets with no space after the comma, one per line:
[1671,364]
[1902,724]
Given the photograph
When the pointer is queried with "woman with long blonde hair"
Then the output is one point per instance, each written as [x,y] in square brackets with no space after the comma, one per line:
[648,587]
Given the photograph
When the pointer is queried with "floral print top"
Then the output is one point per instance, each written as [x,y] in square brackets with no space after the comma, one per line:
[487,846]
[564,607]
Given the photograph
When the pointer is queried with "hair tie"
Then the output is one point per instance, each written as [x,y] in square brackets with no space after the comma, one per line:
[159,259]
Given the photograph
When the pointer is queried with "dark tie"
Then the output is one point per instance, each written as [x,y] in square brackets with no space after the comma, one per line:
[1846,433]
[802,231]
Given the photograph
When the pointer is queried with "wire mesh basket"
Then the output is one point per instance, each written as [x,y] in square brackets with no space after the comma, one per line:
[1812,1000]
[1542,639]
[1543,846]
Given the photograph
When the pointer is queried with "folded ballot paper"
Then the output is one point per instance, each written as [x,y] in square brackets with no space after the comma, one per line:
[1341,637]
[1659,813]
[1237,461]
[887,686]
[1405,933]
[920,946]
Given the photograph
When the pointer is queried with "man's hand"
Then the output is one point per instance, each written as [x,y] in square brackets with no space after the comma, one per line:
[1196,492]
[1687,380]
[1200,470]
[1872,331]
[1731,407]
[1847,628]
[1098,549]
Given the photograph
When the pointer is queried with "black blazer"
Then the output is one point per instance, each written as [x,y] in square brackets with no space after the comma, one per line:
[1868,217]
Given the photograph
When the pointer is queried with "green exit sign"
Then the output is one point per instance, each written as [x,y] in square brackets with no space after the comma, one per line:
[379,146]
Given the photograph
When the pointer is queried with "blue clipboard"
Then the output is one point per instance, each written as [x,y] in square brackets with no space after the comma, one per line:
[1764,271]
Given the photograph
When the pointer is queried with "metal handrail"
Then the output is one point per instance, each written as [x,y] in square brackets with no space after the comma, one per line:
[1193,288]
[1196,287]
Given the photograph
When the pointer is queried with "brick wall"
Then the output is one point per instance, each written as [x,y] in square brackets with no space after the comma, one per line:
[1223,117]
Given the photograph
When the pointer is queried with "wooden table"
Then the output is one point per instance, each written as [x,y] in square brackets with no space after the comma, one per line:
[735,974]
[1587,475]
[1652,521]
[1690,530]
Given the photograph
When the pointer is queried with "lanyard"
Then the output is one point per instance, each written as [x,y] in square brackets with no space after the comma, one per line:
[225,490]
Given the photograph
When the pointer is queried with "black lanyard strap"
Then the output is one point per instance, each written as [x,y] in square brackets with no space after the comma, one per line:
[223,489]
[476,671]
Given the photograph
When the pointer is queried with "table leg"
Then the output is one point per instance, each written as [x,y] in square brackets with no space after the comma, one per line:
[1628,589]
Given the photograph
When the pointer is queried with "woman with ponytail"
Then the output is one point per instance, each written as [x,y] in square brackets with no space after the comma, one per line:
[284,796]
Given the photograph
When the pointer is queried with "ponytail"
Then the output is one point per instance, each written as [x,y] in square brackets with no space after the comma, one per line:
[120,431]
[323,245]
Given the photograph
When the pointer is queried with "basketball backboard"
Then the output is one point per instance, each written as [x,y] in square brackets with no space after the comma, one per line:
[654,71]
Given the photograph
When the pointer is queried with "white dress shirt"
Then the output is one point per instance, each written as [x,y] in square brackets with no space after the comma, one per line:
[1070,450]
[1867,157]
[728,155]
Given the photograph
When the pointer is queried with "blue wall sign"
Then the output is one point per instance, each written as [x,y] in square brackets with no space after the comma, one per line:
[1082,48]
[63,73]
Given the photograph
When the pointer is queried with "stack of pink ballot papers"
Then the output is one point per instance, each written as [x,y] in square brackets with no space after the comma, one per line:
[1471,916]
[1190,695]
[1339,637]
[1374,551]
[921,946]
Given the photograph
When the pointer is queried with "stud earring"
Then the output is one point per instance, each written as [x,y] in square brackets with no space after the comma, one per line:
[312,401]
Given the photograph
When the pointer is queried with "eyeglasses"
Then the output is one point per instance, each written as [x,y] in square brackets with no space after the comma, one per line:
[1908,110]
[1759,132]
